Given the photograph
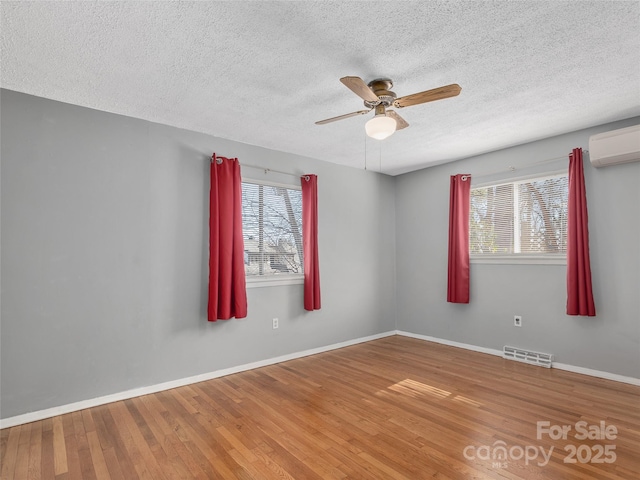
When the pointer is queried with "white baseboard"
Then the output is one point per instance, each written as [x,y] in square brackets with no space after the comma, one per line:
[560,366]
[451,343]
[136,392]
[597,373]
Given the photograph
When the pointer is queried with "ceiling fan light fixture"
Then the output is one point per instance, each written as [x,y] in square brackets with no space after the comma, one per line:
[380,127]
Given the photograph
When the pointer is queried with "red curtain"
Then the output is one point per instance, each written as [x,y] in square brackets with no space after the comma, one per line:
[227,289]
[458,277]
[579,293]
[310,242]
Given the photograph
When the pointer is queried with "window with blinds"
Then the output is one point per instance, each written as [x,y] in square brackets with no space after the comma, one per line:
[272,230]
[526,217]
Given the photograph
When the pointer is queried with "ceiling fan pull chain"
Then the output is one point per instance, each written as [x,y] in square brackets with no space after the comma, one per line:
[365,151]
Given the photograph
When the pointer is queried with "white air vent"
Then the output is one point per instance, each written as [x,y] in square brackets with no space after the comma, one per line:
[527,356]
[617,146]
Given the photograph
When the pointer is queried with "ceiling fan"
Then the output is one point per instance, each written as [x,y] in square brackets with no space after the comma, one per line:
[377,95]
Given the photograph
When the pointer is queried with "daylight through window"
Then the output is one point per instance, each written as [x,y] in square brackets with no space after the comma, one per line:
[272,229]
[525,217]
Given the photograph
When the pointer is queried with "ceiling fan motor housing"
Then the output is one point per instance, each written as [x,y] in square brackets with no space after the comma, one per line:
[382,88]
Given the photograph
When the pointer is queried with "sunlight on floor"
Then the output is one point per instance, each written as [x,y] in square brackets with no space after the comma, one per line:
[414,389]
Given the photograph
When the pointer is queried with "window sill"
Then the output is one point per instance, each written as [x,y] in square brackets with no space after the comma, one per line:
[520,259]
[274,280]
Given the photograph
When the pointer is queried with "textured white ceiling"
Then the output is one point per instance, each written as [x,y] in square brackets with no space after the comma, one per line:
[263,72]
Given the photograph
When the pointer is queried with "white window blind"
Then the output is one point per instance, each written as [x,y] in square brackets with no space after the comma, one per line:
[527,217]
[272,230]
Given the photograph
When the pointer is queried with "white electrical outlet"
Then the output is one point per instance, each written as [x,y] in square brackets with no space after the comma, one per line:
[275,323]
[517,321]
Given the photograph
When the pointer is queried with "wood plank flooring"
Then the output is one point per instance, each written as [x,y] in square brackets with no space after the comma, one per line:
[394,408]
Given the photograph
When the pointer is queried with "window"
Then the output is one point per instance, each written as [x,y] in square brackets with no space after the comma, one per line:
[522,219]
[272,231]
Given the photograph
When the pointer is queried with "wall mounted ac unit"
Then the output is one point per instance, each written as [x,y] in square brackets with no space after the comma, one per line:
[615,147]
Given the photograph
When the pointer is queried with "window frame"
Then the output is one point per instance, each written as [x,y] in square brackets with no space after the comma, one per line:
[257,281]
[519,258]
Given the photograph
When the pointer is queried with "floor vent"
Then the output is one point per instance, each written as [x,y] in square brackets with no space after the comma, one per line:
[526,356]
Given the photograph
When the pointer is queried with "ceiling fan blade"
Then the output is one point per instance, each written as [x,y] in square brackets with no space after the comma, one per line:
[400,122]
[347,115]
[428,96]
[357,86]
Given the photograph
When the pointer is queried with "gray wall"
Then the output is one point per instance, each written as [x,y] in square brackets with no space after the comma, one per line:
[104,260]
[609,342]
[104,257]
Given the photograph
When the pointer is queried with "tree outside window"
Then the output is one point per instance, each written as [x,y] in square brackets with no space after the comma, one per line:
[272,229]
[526,217]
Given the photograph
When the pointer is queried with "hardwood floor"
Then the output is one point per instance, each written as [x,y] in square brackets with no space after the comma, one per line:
[394,408]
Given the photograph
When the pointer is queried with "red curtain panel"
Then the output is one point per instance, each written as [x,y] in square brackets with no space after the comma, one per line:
[227,287]
[579,291]
[458,276]
[310,242]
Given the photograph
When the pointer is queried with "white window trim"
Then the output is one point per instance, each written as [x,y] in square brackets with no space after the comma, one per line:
[274,280]
[521,179]
[519,259]
[257,181]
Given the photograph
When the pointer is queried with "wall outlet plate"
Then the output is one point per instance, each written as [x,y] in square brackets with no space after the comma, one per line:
[517,321]
[275,323]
